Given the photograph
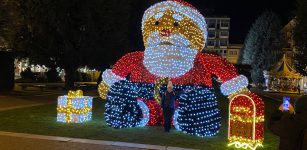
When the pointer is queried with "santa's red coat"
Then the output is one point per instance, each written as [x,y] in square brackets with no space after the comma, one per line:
[205,65]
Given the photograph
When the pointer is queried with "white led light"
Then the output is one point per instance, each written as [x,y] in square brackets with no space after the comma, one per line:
[110,78]
[169,60]
[234,85]
[159,15]
[145,112]
[177,17]
[176,124]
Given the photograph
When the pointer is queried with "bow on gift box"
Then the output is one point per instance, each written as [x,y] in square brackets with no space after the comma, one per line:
[78,93]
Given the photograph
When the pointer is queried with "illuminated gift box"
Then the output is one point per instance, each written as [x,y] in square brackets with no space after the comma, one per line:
[246,121]
[74,107]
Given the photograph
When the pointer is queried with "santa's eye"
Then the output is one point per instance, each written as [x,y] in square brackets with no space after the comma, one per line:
[157,23]
[176,24]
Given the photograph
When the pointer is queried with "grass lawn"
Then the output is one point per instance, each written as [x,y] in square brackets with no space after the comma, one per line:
[42,120]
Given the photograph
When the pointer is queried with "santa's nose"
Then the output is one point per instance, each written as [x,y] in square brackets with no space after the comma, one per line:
[165,33]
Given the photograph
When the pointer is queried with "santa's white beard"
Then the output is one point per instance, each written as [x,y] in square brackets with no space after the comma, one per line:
[169,60]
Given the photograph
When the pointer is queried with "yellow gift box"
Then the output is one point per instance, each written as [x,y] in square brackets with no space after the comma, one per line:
[74,107]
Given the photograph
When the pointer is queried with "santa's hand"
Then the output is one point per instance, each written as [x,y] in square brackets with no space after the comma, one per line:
[236,85]
[103,89]
[108,79]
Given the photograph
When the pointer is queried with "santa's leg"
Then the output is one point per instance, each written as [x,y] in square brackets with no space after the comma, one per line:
[122,110]
[198,113]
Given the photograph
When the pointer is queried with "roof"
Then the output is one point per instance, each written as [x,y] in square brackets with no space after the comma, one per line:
[283,69]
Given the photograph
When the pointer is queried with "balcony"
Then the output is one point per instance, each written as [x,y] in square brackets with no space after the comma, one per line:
[211,36]
[224,27]
[210,46]
[224,36]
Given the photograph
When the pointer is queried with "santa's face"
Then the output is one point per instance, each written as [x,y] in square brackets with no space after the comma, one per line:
[168,23]
[172,41]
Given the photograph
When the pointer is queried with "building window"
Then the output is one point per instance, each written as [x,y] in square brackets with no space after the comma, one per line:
[211,24]
[210,43]
[224,24]
[211,34]
[223,43]
[224,33]
[233,52]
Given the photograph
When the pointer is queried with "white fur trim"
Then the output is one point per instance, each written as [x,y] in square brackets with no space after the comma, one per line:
[234,85]
[110,78]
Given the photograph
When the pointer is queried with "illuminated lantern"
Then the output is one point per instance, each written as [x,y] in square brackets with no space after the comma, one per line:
[246,121]
[74,107]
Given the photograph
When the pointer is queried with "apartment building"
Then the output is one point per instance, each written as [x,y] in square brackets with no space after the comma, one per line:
[233,52]
[218,35]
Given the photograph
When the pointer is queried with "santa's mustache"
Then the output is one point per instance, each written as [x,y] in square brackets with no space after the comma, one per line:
[174,39]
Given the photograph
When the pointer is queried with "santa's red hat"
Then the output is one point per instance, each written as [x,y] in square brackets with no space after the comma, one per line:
[178,6]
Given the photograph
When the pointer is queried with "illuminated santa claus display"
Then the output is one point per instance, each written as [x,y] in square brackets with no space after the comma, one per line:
[174,34]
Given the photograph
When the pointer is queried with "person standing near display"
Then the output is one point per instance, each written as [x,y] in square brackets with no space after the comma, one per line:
[291,125]
[168,106]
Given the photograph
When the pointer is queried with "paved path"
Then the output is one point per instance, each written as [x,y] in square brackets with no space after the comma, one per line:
[33,97]
[21,141]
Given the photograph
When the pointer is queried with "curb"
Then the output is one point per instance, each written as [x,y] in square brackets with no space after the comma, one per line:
[88,141]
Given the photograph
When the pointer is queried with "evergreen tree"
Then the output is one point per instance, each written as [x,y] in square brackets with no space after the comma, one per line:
[300,37]
[10,21]
[263,45]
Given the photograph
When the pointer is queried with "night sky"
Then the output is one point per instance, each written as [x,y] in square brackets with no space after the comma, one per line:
[244,12]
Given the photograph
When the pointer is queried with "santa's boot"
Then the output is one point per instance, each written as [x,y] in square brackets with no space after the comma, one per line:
[198,113]
[122,109]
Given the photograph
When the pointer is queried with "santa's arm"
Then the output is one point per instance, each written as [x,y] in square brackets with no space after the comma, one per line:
[122,68]
[231,81]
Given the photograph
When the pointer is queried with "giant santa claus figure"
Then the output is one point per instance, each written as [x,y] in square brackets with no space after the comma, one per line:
[174,34]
